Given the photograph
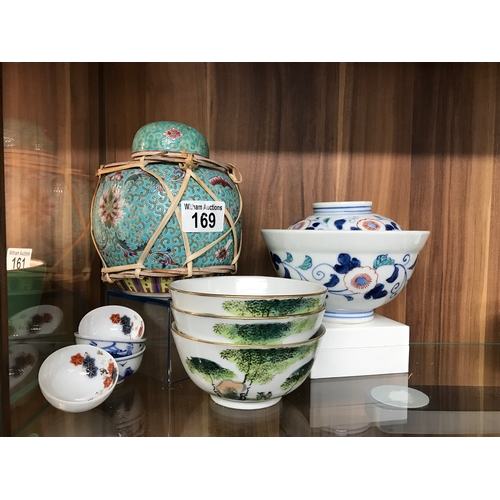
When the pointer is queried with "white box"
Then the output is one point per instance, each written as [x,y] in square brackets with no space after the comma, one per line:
[380,346]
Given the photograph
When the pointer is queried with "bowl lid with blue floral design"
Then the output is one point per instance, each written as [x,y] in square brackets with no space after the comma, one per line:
[170,136]
[345,216]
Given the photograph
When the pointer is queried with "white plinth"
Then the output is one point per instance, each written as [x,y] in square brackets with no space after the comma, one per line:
[380,346]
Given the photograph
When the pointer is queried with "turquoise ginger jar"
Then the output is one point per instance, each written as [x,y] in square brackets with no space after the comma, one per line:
[170,212]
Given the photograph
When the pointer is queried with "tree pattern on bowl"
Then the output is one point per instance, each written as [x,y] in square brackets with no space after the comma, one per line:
[263,333]
[260,308]
[258,366]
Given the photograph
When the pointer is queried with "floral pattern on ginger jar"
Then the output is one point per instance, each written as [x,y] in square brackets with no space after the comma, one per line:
[137,210]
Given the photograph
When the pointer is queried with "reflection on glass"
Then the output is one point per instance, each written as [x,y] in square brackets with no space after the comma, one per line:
[50,154]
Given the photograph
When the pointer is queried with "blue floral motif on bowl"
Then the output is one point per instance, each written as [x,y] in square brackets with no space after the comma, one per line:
[356,286]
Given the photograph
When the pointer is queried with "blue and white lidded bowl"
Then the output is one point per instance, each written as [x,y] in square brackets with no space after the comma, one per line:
[345,216]
[169,213]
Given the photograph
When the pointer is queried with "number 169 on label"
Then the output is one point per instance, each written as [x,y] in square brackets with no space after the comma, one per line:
[202,216]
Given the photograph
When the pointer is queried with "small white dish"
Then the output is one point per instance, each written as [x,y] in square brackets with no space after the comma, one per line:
[78,378]
[399,396]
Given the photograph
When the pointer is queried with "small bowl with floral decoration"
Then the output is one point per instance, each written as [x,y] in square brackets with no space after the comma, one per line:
[78,378]
[112,322]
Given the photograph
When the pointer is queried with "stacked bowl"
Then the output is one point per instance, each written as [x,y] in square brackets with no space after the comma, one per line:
[117,330]
[247,340]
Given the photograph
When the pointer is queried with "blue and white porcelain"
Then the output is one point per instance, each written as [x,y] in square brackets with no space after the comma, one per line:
[117,349]
[345,216]
[129,365]
[361,269]
[137,211]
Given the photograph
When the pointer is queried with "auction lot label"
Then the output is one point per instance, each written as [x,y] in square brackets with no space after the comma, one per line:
[202,216]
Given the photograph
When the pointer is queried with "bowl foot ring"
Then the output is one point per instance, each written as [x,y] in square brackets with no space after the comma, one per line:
[245,405]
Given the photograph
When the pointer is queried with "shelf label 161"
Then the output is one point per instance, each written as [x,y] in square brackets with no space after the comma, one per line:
[202,216]
[18,258]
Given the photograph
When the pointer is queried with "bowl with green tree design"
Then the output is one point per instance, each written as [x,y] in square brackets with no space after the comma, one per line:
[249,330]
[246,377]
[247,296]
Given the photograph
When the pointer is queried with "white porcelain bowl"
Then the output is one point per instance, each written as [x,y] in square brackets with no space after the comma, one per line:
[362,270]
[128,365]
[115,348]
[246,377]
[254,296]
[112,322]
[78,378]
[250,330]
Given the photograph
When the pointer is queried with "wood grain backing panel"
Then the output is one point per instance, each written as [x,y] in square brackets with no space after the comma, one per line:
[451,196]
[491,301]
[418,139]
[446,364]
[141,93]
[292,108]
[245,111]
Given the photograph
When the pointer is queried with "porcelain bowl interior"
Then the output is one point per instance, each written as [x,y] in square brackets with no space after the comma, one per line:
[112,322]
[249,330]
[115,348]
[128,365]
[361,270]
[247,296]
[246,377]
[78,378]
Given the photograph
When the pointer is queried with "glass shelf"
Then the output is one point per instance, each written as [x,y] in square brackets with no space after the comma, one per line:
[147,405]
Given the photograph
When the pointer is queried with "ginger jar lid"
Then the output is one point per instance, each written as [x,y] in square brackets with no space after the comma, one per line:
[170,136]
[345,216]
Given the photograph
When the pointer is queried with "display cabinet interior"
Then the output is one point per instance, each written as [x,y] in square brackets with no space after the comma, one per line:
[419,140]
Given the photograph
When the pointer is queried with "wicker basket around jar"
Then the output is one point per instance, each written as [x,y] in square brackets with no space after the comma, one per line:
[136,212]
